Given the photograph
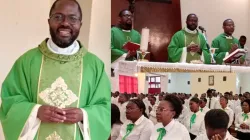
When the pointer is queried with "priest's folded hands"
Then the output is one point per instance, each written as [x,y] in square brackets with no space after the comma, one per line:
[52,114]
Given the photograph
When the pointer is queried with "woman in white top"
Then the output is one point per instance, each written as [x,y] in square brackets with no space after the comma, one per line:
[216,122]
[115,122]
[242,121]
[138,126]
[194,122]
[229,111]
[203,105]
[169,129]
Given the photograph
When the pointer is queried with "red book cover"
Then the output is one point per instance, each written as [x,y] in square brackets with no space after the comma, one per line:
[130,46]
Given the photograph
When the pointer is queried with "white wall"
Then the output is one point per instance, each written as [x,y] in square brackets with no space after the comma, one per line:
[99,33]
[244,82]
[164,83]
[179,82]
[212,13]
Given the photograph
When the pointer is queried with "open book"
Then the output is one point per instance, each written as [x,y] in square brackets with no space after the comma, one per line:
[234,55]
[131,46]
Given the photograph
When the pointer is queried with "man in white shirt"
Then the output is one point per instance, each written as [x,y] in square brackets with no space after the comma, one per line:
[123,101]
[114,98]
[228,110]
[152,110]
[212,101]
[184,113]
[216,122]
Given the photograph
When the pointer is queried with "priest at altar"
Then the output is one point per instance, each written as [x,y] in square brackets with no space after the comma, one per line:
[121,34]
[57,90]
[188,44]
[225,42]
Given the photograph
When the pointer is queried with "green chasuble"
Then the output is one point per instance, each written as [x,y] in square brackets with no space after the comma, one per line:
[120,38]
[183,39]
[224,45]
[42,77]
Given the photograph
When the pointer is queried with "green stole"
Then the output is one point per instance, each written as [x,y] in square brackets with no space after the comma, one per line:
[60,88]
[192,39]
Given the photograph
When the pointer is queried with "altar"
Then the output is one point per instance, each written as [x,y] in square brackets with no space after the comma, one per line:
[133,67]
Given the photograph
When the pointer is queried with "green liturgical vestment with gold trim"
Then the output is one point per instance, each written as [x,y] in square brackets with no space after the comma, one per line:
[43,77]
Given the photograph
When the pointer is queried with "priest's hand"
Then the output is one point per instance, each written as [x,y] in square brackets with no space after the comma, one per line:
[193,48]
[73,115]
[131,54]
[233,48]
[51,114]
[216,137]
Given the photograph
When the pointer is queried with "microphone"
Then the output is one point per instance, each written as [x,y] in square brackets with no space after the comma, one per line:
[202,29]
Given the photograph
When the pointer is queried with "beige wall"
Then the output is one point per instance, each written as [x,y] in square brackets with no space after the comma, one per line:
[212,13]
[21,29]
[219,84]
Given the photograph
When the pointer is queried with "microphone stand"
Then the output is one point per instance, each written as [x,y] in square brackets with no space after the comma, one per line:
[205,36]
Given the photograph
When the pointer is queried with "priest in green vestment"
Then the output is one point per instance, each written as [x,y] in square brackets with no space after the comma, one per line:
[58,90]
[189,44]
[121,34]
[225,42]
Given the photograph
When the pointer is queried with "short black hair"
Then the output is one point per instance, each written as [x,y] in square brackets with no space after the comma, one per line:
[126,96]
[140,105]
[243,37]
[196,100]
[225,21]
[176,104]
[220,119]
[54,5]
[203,99]
[121,12]
[189,15]
[209,91]
[246,101]
[115,115]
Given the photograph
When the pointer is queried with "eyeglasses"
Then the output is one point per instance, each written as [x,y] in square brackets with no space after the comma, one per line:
[59,18]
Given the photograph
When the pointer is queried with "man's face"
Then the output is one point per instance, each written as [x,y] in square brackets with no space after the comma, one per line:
[229,27]
[242,41]
[236,97]
[122,98]
[209,94]
[192,22]
[65,23]
[126,18]
[211,132]
[152,101]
